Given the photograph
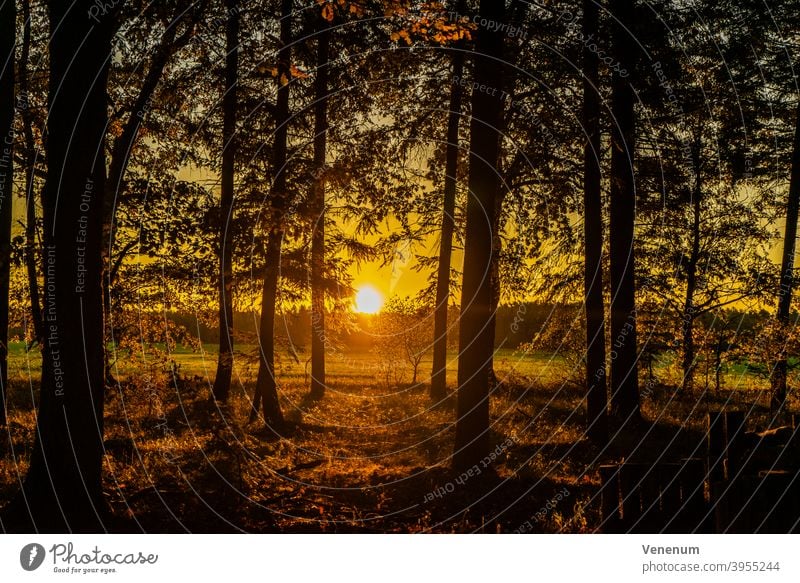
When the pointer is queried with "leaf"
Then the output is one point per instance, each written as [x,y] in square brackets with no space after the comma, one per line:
[299,73]
[327,12]
[402,34]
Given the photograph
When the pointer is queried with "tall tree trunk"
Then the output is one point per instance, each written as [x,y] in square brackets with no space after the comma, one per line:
[266,392]
[318,212]
[439,375]
[689,312]
[596,390]
[494,276]
[31,245]
[7,44]
[475,335]
[62,490]
[780,369]
[624,380]
[222,380]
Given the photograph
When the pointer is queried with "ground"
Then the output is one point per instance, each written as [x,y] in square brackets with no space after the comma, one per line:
[372,456]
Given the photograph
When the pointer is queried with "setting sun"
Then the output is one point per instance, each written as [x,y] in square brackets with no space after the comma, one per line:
[368,300]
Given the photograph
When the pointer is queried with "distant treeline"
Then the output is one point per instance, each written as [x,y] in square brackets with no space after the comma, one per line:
[515,324]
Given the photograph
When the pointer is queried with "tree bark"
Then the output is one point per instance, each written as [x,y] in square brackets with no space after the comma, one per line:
[32,250]
[222,380]
[597,391]
[62,490]
[475,335]
[7,44]
[266,392]
[439,375]
[624,379]
[780,370]
[317,209]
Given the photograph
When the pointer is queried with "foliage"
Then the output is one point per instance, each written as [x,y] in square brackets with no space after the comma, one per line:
[403,336]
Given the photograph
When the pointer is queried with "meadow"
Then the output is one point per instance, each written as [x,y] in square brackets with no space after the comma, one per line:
[371,456]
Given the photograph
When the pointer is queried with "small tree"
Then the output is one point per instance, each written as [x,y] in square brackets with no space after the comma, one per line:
[404,327]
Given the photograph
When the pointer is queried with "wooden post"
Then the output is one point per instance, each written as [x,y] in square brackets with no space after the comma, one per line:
[734,434]
[609,498]
[716,446]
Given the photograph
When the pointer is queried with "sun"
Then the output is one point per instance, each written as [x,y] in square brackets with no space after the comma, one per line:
[368,300]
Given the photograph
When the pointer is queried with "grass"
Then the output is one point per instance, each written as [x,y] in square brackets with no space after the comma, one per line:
[372,456]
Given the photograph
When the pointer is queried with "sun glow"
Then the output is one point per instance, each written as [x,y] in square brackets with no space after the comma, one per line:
[368,300]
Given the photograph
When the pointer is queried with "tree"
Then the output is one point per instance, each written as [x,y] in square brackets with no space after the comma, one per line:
[475,334]
[705,228]
[32,250]
[317,206]
[169,17]
[596,391]
[7,46]
[222,380]
[624,376]
[786,288]
[266,391]
[439,374]
[403,327]
[62,489]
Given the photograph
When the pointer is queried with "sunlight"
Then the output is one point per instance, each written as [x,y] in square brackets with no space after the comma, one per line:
[368,300]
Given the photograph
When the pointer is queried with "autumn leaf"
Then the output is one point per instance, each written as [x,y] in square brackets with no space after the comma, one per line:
[299,73]
[327,12]
[395,36]
[272,71]
[115,128]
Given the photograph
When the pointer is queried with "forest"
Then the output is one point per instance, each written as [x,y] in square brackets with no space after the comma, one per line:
[399,266]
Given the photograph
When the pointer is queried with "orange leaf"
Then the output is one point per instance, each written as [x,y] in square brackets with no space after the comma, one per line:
[327,12]
[299,73]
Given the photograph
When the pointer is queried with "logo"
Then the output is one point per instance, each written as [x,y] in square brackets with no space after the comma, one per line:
[31,556]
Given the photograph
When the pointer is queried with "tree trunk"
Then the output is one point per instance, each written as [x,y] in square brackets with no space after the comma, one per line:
[596,394]
[317,208]
[7,43]
[689,315]
[494,277]
[266,392]
[780,369]
[439,375]
[62,490]
[32,250]
[222,380]
[475,334]
[624,381]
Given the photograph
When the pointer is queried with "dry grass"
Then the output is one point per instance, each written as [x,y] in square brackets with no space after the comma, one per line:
[366,458]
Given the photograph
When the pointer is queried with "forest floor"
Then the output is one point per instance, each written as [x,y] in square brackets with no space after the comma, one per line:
[372,456]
